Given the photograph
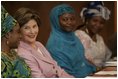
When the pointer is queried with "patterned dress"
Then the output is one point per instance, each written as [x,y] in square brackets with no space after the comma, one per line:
[13,66]
[98,52]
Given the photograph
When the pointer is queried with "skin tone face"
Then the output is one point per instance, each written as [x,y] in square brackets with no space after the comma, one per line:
[14,36]
[68,22]
[29,32]
[95,24]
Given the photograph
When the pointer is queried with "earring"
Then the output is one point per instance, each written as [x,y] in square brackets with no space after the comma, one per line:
[7,42]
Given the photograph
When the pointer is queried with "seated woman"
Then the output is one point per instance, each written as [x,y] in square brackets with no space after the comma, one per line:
[94,16]
[12,66]
[64,46]
[32,51]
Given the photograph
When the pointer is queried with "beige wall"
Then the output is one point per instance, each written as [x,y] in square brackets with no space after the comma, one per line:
[44,7]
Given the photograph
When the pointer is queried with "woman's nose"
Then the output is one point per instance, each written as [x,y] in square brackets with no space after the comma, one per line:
[69,21]
[32,31]
[100,25]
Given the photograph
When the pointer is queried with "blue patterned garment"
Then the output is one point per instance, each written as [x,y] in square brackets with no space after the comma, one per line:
[7,21]
[95,8]
[65,47]
[12,66]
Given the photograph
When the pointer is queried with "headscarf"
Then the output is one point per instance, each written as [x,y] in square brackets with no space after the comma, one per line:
[65,47]
[7,22]
[56,12]
[95,8]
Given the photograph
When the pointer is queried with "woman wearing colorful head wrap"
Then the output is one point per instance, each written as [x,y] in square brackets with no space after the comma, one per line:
[11,65]
[94,17]
[64,46]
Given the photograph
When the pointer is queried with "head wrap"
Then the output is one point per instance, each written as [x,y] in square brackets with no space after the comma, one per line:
[56,12]
[95,8]
[65,47]
[7,22]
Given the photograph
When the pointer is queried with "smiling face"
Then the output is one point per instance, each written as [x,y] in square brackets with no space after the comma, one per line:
[95,24]
[29,31]
[68,22]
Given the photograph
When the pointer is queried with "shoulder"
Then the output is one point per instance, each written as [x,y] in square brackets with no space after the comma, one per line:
[78,30]
[5,58]
[13,67]
[24,53]
[6,66]
[40,45]
[82,35]
[79,33]
[23,50]
[99,37]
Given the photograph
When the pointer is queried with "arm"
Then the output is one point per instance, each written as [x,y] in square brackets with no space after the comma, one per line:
[66,75]
[108,53]
[63,61]
[86,43]
[62,73]
[32,63]
[107,50]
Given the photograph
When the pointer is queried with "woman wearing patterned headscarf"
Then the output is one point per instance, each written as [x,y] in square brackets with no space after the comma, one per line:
[94,17]
[64,46]
[11,65]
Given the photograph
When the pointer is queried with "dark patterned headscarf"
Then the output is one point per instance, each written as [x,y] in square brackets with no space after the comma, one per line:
[95,8]
[7,22]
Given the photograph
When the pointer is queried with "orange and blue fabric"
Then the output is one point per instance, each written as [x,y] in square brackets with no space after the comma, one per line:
[7,22]
[12,66]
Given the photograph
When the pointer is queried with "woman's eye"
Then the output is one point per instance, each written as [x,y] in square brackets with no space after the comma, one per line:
[34,26]
[65,19]
[72,19]
[25,28]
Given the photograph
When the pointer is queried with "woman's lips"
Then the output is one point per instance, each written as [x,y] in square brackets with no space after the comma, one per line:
[31,36]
